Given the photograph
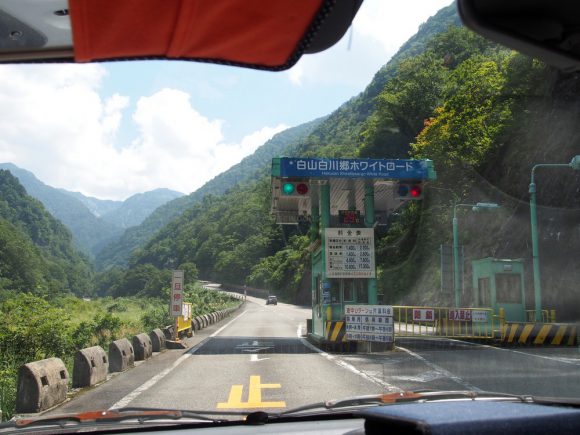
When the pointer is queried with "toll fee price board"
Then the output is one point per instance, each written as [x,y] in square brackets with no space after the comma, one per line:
[350,252]
[369,323]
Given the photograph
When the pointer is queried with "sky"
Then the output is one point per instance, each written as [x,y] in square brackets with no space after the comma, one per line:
[112,130]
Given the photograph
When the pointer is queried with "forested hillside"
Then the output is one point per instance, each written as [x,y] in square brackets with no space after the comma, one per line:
[232,237]
[250,168]
[135,209]
[90,232]
[36,250]
[483,113]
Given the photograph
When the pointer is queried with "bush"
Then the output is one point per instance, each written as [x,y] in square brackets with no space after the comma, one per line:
[157,317]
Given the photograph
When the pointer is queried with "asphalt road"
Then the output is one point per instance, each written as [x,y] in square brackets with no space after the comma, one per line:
[257,359]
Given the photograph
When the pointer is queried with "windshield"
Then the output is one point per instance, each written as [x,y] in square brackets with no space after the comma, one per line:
[398,213]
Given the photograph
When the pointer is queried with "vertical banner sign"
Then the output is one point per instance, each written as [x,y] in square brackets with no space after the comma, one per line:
[350,252]
[176,293]
[369,323]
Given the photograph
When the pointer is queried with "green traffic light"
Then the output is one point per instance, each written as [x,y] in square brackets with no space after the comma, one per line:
[288,188]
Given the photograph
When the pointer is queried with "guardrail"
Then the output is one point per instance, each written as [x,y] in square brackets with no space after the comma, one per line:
[417,321]
[44,384]
[548,316]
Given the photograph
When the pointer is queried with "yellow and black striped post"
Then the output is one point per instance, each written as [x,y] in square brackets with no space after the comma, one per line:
[335,332]
[546,334]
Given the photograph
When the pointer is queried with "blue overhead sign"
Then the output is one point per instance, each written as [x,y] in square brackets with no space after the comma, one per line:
[356,168]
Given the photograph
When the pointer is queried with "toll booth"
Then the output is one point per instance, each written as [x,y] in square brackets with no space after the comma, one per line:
[342,201]
[499,283]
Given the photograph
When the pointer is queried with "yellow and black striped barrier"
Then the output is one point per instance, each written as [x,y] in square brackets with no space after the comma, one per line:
[335,331]
[546,334]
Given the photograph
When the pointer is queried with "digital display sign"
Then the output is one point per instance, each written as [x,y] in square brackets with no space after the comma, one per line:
[349,217]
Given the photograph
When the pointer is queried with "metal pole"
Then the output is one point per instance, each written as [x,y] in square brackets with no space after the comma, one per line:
[455,258]
[535,256]
[324,223]
[535,245]
[369,203]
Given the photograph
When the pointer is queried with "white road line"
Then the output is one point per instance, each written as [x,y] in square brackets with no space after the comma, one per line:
[132,395]
[227,324]
[388,387]
[564,360]
[135,393]
[441,370]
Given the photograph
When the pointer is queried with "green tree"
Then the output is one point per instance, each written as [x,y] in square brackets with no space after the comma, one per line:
[466,127]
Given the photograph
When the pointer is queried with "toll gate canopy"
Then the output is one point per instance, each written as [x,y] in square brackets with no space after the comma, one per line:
[296,187]
[343,200]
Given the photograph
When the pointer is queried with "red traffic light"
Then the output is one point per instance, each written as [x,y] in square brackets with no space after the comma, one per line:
[295,188]
[410,191]
[416,191]
[302,188]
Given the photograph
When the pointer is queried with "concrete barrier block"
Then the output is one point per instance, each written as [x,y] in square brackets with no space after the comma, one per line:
[196,325]
[207,319]
[91,366]
[157,340]
[142,346]
[168,332]
[41,385]
[121,355]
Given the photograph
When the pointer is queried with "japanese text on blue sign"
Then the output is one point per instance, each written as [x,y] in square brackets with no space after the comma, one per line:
[353,168]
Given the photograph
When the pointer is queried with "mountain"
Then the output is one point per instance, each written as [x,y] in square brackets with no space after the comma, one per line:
[229,236]
[36,250]
[484,114]
[93,222]
[90,233]
[137,208]
[97,206]
[117,253]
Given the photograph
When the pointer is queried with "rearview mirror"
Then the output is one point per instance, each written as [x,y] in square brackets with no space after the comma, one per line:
[546,30]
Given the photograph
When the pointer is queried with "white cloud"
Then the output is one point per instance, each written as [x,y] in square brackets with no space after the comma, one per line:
[392,24]
[56,125]
[379,29]
[295,74]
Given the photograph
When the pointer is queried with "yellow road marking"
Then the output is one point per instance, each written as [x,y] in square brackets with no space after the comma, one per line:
[254,396]
[526,332]
[559,335]
[544,331]
[513,330]
[572,338]
[336,331]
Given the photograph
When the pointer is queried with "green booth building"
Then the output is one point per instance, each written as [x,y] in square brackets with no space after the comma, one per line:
[499,283]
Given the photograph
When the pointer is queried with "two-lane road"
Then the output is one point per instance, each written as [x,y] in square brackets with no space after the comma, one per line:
[258,360]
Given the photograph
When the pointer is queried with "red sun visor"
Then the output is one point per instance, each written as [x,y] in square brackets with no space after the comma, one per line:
[265,34]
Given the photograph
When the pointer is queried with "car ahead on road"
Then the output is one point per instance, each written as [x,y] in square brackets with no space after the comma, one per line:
[272,300]
[435,96]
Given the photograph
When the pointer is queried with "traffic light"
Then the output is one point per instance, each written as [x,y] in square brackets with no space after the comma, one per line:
[410,191]
[295,188]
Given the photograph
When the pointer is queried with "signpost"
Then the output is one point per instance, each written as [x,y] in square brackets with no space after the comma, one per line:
[355,168]
[340,202]
[372,323]
[176,303]
[350,252]
[423,315]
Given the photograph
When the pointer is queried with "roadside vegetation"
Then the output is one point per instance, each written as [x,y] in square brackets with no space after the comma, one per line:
[34,328]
